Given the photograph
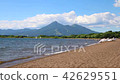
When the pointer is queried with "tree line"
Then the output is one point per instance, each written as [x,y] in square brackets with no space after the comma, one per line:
[108,34]
[13,36]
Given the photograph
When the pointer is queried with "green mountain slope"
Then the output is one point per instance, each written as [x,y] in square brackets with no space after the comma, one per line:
[56,29]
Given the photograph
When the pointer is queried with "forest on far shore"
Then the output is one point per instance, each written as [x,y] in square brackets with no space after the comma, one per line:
[108,34]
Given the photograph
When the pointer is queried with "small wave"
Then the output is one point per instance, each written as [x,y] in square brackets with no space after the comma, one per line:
[55,53]
[92,44]
[2,47]
[1,62]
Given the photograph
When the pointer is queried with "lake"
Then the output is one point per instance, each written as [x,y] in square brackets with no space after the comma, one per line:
[18,48]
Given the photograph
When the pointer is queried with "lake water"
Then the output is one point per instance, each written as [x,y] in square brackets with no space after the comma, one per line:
[14,48]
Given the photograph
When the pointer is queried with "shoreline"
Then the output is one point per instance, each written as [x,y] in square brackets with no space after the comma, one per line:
[33,58]
[49,55]
[5,64]
[2,62]
[63,38]
[103,55]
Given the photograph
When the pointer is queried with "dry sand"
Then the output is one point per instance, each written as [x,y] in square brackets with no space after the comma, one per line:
[103,55]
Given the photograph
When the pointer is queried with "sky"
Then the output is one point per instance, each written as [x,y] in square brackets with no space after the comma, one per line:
[98,15]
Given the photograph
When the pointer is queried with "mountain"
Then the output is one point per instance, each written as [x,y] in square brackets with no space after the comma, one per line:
[15,32]
[54,28]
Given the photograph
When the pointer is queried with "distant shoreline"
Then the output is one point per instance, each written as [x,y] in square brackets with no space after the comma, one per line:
[66,38]
[108,34]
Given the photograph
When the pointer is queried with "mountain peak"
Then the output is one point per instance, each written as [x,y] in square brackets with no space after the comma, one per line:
[54,28]
[55,23]
[74,25]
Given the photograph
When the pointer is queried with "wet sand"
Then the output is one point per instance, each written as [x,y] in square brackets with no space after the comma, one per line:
[103,55]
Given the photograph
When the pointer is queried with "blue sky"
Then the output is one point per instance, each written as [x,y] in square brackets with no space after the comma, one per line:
[19,10]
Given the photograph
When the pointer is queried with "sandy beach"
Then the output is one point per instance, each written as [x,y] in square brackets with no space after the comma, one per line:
[103,55]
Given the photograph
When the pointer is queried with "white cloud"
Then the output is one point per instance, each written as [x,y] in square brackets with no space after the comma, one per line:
[106,19]
[39,20]
[117,3]
[98,18]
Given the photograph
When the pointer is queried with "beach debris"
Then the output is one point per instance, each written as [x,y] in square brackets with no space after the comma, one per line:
[107,40]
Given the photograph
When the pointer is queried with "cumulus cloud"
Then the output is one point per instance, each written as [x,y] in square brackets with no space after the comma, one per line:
[40,20]
[117,3]
[106,19]
[99,18]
